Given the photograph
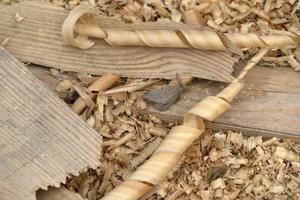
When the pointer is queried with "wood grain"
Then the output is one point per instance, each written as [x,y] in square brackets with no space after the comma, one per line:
[41,140]
[268,105]
[37,39]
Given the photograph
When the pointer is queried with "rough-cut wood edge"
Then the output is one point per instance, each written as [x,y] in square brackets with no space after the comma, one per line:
[37,39]
[42,141]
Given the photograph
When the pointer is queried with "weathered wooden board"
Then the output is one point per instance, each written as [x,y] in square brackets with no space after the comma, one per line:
[37,39]
[41,140]
[268,105]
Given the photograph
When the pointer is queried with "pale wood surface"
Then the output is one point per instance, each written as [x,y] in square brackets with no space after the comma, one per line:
[41,140]
[268,105]
[37,39]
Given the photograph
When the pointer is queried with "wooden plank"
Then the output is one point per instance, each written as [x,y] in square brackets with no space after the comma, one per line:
[268,105]
[37,39]
[262,84]
[41,140]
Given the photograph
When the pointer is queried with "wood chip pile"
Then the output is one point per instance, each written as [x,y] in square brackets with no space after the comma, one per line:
[219,165]
[128,137]
[231,166]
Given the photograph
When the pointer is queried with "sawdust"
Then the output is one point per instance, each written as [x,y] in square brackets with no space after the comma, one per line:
[247,168]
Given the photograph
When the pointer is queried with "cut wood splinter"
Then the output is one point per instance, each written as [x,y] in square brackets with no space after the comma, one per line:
[103,83]
[82,21]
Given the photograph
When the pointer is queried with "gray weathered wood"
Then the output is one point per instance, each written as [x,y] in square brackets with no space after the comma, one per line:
[268,105]
[37,39]
[41,140]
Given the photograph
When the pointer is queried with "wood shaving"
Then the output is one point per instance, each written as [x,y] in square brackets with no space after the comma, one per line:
[19,18]
[83,94]
[258,17]
[131,87]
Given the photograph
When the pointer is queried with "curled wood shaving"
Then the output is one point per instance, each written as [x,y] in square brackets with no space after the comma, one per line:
[85,14]
[178,37]
[181,137]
